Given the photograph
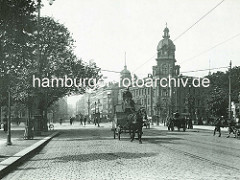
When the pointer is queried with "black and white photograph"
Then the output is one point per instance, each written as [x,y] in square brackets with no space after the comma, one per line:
[119,89]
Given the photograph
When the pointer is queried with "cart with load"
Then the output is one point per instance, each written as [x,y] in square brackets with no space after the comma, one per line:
[120,123]
[177,121]
[127,119]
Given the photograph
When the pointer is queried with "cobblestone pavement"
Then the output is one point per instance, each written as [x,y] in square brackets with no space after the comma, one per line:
[18,143]
[92,153]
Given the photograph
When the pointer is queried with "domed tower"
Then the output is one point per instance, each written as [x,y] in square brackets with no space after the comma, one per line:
[125,74]
[165,57]
[166,48]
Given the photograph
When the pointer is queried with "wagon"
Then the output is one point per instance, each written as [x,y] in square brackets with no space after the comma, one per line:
[177,121]
[120,124]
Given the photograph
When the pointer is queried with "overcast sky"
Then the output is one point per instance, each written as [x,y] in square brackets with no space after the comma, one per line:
[105,29]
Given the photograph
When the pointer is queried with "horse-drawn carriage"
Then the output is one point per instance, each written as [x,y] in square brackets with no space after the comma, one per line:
[120,123]
[178,121]
[129,122]
[128,118]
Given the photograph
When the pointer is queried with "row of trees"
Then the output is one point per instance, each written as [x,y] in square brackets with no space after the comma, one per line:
[43,49]
[215,98]
[218,92]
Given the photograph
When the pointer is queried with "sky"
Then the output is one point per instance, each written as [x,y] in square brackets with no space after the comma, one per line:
[105,29]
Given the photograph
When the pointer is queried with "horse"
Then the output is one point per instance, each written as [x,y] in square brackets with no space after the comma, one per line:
[136,123]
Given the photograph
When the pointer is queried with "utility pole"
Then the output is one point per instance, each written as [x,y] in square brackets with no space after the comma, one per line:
[98,115]
[229,93]
[88,106]
[95,113]
[151,100]
[9,118]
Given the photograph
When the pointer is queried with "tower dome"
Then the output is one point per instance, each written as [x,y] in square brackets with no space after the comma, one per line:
[166,41]
[125,74]
[125,71]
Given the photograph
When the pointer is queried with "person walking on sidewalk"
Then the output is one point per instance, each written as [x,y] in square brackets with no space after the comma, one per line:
[217,127]
[81,120]
[231,128]
[85,120]
[5,120]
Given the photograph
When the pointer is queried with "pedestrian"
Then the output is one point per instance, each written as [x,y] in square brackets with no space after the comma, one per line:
[231,128]
[18,120]
[5,120]
[81,120]
[71,120]
[60,121]
[85,120]
[190,125]
[218,125]
[77,118]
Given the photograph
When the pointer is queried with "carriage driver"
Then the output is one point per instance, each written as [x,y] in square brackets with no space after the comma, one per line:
[128,103]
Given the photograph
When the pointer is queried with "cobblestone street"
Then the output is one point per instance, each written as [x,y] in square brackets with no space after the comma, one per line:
[92,153]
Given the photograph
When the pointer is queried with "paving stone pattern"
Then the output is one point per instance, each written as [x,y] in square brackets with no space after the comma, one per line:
[93,154]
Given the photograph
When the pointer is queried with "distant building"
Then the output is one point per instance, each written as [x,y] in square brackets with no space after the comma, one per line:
[158,100]
[100,101]
[59,110]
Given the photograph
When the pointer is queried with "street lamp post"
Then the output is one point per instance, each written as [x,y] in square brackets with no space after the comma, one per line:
[229,93]
[95,113]
[109,107]
[9,118]
[98,114]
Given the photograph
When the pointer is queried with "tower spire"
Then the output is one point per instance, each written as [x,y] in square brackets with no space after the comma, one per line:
[166,32]
[125,61]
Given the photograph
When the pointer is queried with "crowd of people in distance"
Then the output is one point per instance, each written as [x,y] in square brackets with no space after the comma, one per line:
[79,118]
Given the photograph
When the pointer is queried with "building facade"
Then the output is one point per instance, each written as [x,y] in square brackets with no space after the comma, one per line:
[158,100]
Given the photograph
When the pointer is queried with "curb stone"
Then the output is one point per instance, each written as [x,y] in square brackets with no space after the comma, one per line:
[10,163]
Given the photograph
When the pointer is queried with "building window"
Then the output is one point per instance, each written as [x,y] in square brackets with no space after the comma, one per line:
[164,69]
[164,92]
[170,69]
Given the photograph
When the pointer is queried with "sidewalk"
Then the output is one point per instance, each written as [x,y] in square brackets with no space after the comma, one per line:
[195,128]
[11,155]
